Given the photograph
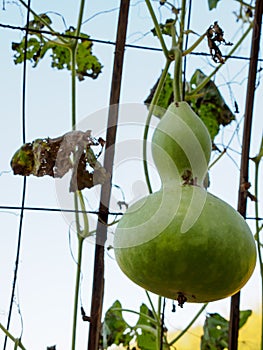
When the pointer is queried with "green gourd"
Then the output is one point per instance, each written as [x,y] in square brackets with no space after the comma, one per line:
[182,242]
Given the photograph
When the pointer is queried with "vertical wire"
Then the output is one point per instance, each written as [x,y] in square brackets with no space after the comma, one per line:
[186,45]
[24,182]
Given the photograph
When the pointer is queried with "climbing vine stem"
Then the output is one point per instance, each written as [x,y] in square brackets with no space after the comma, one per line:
[17,342]
[148,120]
[78,197]
[188,326]
[157,28]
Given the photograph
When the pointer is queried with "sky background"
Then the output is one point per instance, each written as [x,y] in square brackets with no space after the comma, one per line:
[46,279]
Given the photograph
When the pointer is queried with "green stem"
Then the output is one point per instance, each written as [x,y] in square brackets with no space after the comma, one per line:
[194,46]
[181,36]
[46,24]
[208,78]
[152,307]
[85,233]
[245,4]
[81,234]
[73,50]
[80,17]
[177,81]
[217,159]
[188,326]
[16,341]
[157,28]
[148,120]
[76,295]
[152,320]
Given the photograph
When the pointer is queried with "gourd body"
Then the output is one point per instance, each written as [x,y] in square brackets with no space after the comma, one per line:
[182,240]
[212,260]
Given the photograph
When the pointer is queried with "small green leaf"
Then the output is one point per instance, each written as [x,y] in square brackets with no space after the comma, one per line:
[216,327]
[212,4]
[243,317]
[165,98]
[165,28]
[146,339]
[209,104]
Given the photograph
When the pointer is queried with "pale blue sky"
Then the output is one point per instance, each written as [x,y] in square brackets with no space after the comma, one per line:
[46,272]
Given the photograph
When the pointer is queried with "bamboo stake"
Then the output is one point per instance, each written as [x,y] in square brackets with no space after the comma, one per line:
[101,235]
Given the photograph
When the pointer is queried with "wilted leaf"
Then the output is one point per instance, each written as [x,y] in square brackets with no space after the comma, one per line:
[55,157]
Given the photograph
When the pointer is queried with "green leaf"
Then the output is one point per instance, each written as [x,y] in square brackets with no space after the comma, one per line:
[212,4]
[209,104]
[33,48]
[216,327]
[115,330]
[146,339]
[165,28]
[243,317]
[166,97]
[87,65]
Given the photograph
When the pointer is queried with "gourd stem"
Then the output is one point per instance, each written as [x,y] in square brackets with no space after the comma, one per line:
[148,120]
[235,47]
[177,81]
[188,326]
[157,28]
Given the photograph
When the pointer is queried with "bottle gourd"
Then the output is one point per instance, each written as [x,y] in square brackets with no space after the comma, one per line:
[182,242]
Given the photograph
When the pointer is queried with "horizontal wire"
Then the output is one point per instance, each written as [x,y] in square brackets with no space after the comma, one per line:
[94,212]
[6,207]
[108,42]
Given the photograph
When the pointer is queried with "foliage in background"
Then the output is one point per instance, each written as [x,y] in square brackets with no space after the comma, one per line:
[115,330]
[216,327]
[38,45]
[209,104]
